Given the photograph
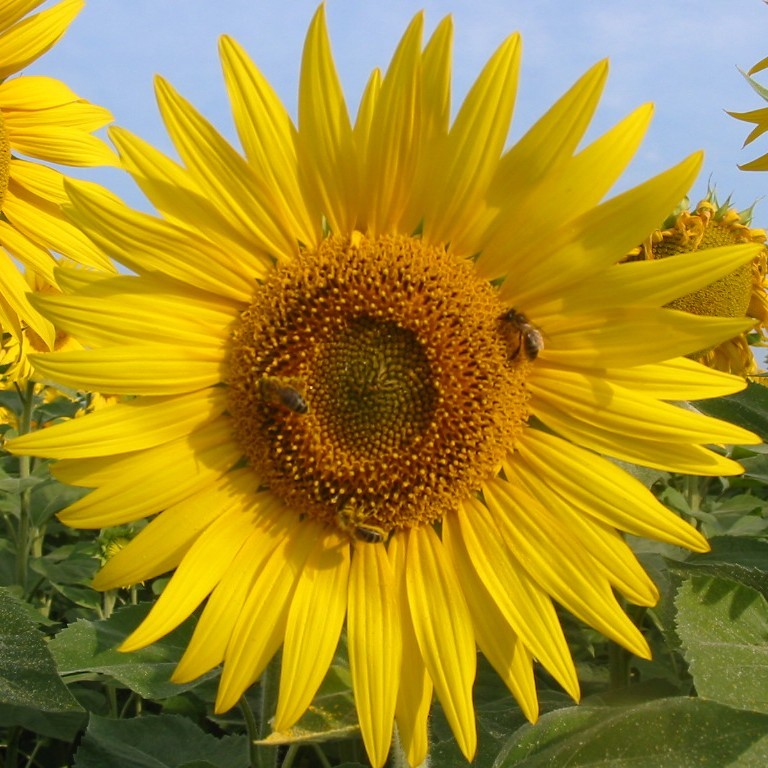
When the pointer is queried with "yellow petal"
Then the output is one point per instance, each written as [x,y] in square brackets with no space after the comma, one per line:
[597,487]
[35,92]
[528,167]
[147,244]
[131,426]
[614,560]
[132,319]
[651,283]
[201,568]
[325,142]
[224,607]
[260,626]
[314,625]
[174,193]
[562,570]
[443,628]
[268,137]
[613,408]
[170,473]
[226,179]
[31,38]
[41,220]
[375,647]
[15,290]
[13,10]
[631,335]
[495,636]
[123,370]
[551,262]
[160,546]
[59,144]
[414,696]
[435,115]
[393,140]
[470,155]
[677,379]
[665,455]
[524,605]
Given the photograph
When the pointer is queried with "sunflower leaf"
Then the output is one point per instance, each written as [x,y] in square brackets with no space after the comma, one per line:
[740,559]
[332,715]
[748,409]
[723,626]
[28,676]
[165,741]
[680,731]
[91,646]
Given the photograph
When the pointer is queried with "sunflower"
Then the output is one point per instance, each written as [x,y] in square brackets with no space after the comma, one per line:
[372,379]
[41,119]
[741,293]
[757,116]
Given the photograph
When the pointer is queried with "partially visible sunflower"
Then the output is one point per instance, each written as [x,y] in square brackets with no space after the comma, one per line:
[741,293]
[40,118]
[373,378]
[757,116]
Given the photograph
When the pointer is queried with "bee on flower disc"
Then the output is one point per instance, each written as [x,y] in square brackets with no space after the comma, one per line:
[280,392]
[352,520]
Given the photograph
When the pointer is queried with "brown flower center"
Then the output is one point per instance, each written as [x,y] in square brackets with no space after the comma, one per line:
[374,385]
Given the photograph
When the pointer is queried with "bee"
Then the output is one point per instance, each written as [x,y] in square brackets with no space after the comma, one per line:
[281,393]
[352,520]
[529,340]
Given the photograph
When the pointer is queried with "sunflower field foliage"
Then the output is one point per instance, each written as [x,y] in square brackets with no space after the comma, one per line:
[349,456]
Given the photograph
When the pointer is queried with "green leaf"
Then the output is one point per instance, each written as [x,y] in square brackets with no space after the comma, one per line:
[723,626]
[736,558]
[756,467]
[69,569]
[91,646]
[498,716]
[679,732]
[332,715]
[57,725]
[28,676]
[164,741]
[748,409]
[50,496]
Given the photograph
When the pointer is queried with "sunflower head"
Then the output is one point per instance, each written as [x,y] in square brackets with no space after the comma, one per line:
[382,381]
[741,293]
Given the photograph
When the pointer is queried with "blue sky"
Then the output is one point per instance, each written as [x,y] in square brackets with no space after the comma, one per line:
[682,55]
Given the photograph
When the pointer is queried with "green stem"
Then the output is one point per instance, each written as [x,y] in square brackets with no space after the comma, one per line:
[321,756]
[12,748]
[618,666]
[270,687]
[695,491]
[260,756]
[24,538]
[619,659]
[290,755]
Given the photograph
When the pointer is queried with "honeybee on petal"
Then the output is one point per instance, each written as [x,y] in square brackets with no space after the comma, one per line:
[353,521]
[529,338]
[282,393]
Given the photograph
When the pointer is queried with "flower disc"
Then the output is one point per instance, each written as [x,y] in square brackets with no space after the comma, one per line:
[399,354]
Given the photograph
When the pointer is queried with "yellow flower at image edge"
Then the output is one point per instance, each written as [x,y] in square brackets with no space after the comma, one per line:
[42,119]
[741,293]
[373,381]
